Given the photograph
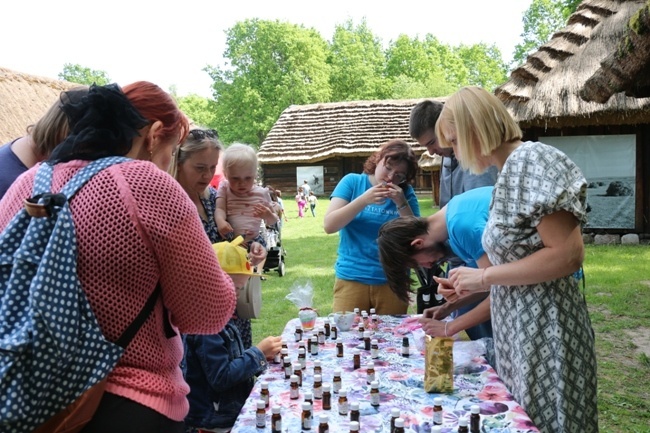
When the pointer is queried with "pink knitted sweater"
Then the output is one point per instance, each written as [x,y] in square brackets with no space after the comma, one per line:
[136,226]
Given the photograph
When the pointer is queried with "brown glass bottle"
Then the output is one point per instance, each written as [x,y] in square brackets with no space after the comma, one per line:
[297,371]
[276,420]
[437,411]
[318,387]
[370,372]
[302,358]
[294,390]
[334,332]
[264,393]
[374,348]
[286,363]
[336,381]
[298,333]
[323,424]
[374,394]
[309,397]
[318,368]
[260,415]
[405,347]
[355,414]
[321,336]
[366,340]
[306,416]
[462,426]
[356,360]
[339,348]
[328,328]
[314,345]
[399,426]
[361,329]
[475,419]
[344,406]
[394,414]
[327,396]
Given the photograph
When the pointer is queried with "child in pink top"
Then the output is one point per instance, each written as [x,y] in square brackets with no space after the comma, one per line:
[241,204]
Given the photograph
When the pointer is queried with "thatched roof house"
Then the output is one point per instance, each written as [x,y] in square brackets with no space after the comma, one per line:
[626,69]
[544,96]
[338,136]
[24,99]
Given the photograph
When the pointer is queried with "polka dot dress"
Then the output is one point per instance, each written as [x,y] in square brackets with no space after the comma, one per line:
[51,347]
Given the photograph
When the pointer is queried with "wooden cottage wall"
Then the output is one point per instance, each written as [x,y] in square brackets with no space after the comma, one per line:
[642,205]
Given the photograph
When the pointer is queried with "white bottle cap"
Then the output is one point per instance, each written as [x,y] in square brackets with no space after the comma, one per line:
[284,351]
[462,422]
[323,418]
[475,408]
[374,384]
[317,363]
[294,378]
[354,405]
[367,334]
[327,387]
[309,395]
[301,350]
[261,404]
[265,384]
[337,372]
[275,409]
[317,378]
[394,412]
[374,341]
[399,422]
[436,429]
[306,405]
[354,426]
[373,311]
[370,364]
[437,401]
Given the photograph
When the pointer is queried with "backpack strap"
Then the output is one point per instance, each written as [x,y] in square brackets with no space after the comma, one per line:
[135,326]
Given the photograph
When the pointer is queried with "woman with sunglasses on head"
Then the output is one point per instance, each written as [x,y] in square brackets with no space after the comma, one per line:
[193,166]
[359,205]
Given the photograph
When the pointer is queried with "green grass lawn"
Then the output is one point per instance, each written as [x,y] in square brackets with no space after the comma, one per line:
[617,291]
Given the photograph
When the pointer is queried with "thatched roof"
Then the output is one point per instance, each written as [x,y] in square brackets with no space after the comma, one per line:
[430,162]
[627,68]
[24,99]
[544,91]
[312,133]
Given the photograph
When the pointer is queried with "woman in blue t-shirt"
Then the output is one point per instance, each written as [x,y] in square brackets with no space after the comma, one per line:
[359,205]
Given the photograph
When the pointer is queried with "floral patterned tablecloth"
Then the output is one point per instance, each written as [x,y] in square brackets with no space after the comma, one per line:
[401,385]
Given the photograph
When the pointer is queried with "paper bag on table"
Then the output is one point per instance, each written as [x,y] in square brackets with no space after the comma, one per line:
[439,364]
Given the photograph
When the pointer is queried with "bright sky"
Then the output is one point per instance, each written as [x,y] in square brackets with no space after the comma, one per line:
[170,42]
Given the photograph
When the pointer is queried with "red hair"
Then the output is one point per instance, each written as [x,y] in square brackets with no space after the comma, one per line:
[155,104]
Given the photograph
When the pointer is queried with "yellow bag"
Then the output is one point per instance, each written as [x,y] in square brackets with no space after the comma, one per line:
[439,364]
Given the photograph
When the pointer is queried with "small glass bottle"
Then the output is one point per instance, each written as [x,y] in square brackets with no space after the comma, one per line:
[475,419]
[309,340]
[339,348]
[373,311]
[314,345]
[375,319]
[462,426]
[294,391]
[354,426]
[399,426]
[277,358]
[318,368]
[302,358]
[366,340]
[298,333]
[364,316]
[264,393]
[288,368]
[356,359]
[336,381]
[284,344]
[276,420]
[297,371]
[436,429]
[328,328]
[355,414]
[437,411]
[334,332]
[318,387]
[323,423]
[357,312]
[306,417]
[361,329]
[309,397]
[327,396]
[321,336]
[374,394]
[405,347]
[260,414]
[394,414]
[374,348]
[344,406]
[302,344]
[370,372]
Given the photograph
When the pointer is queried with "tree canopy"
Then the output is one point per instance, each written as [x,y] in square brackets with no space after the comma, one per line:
[81,75]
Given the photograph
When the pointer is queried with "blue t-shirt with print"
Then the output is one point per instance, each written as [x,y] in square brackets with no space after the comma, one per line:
[358,254]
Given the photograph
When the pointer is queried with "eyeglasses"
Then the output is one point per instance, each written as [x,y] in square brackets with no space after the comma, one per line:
[200,134]
[397,177]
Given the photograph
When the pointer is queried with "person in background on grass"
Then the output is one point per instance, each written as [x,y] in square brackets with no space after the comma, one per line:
[135,229]
[313,200]
[241,203]
[302,201]
[21,154]
[193,166]
[409,242]
[306,189]
[358,207]
[282,214]
[543,338]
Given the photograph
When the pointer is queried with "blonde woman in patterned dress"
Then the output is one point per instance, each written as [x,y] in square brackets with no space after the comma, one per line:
[542,332]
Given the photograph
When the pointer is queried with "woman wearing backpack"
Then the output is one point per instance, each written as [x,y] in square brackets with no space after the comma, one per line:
[136,229]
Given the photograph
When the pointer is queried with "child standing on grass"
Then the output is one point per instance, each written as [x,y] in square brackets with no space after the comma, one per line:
[300,199]
[312,199]
[241,203]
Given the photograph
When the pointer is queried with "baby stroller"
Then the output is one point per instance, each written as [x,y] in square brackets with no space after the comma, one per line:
[275,252]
